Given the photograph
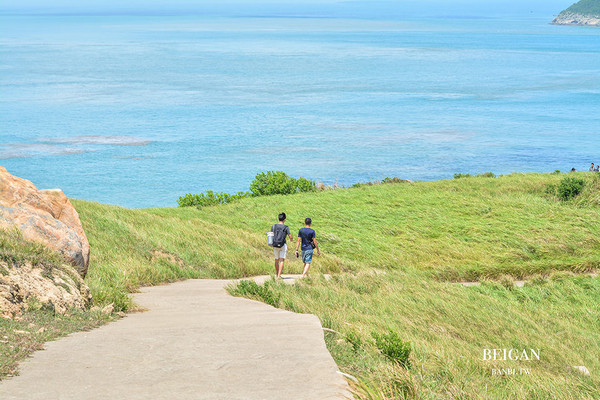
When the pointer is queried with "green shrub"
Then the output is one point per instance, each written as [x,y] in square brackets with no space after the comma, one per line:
[393,347]
[482,175]
[393,179]
[264,184]
[305,185]
[460,175]
[387,179]
[568,188]
[278,182]
[209,198]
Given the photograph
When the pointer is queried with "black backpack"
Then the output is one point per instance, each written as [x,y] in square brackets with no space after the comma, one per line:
[278,235]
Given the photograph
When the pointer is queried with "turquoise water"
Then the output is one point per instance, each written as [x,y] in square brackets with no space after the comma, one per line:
[137,111]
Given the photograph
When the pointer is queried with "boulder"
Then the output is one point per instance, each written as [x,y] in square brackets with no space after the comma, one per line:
[44,216]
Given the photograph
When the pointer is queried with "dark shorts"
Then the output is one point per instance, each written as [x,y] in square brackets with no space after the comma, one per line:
[307,256]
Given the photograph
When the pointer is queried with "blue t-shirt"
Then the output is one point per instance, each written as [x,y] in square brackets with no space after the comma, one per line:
[307,236]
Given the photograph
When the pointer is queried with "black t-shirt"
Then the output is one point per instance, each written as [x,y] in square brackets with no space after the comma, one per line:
[307,236]
[277,230]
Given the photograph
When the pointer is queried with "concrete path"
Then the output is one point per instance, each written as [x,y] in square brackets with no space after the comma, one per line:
[194,342]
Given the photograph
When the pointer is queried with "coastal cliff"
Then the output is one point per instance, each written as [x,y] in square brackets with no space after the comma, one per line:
[583,13]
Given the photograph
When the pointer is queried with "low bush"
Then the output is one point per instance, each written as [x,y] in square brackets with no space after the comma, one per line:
[209,198]
[460,175]
[264,184]
[393,347]
[393,179]
[567,189]
[278,182]
[305,185]
[482,175]
[386,180]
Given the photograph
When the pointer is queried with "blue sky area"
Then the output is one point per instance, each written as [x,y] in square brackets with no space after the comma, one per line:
[325,8]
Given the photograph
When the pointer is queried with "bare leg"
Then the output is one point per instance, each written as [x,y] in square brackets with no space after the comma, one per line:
[276,266]
[306,267]
[280,268]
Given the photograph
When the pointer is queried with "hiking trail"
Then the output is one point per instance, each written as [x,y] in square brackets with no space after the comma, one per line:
[194,342]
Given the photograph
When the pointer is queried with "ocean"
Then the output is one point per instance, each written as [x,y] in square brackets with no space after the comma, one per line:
[139,110]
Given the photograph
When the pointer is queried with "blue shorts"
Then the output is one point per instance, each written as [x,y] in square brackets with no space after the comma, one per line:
[307,256]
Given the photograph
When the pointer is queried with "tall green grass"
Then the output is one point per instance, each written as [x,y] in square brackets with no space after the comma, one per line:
[395,252]
[448,326]
[461,229]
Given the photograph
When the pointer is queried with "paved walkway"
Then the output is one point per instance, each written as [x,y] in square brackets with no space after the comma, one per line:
[195,342]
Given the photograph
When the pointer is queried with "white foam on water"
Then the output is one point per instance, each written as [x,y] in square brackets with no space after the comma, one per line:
[98,139]
[20,150]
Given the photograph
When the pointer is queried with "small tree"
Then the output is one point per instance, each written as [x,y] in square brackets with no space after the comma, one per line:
[393,347]
[567,189]
[278,182]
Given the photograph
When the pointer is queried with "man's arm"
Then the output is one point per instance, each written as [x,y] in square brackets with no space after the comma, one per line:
[316,246]
[298,244]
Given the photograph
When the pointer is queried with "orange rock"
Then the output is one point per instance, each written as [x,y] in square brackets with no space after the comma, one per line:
[45,216]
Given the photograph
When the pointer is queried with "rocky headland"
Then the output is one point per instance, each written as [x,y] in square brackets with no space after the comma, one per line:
[565,18]
[583,13]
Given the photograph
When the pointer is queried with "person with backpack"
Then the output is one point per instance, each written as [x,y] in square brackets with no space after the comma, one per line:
[307,237]
[280,234]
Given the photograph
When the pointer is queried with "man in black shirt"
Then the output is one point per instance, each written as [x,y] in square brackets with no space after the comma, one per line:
[280,232]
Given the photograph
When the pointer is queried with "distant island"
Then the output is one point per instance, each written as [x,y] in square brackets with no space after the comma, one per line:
[584,12]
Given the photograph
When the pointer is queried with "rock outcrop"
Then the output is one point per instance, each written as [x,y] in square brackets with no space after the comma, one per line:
[567,18]
[25,286]
[44,216]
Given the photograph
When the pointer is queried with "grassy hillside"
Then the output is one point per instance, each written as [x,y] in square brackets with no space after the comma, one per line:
[449,325]
[394,251]
[461,229]
[585,7]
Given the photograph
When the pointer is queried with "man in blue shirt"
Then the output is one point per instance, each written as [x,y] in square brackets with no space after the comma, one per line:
[307,237]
